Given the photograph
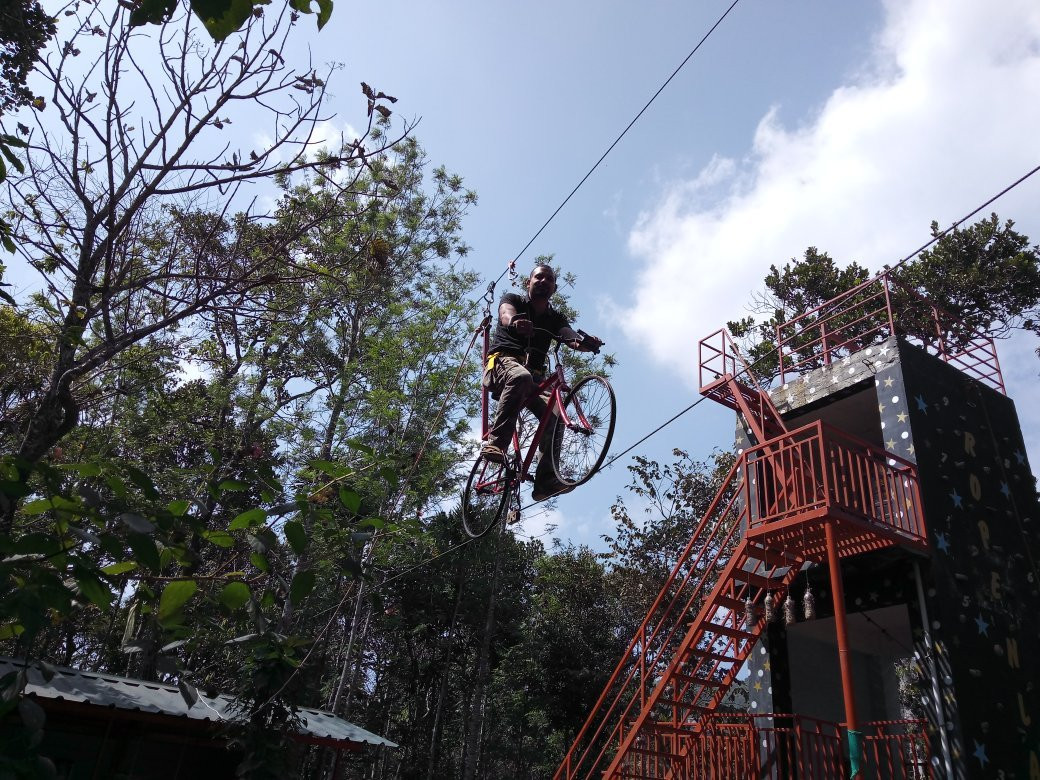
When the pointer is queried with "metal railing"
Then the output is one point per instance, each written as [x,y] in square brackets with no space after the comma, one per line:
[818,468]
[872,312]
[815,472]
[780,746]
[773,746]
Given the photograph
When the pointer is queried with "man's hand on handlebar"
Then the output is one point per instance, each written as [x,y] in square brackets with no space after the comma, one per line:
[586,342]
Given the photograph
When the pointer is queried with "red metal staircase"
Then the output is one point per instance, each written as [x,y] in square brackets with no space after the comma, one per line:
[784,501]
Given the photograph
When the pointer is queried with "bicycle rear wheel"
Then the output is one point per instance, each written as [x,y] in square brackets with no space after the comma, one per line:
[485,497]
[581,446]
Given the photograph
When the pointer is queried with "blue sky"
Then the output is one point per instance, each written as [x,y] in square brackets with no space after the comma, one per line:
[848,126]
[844,125]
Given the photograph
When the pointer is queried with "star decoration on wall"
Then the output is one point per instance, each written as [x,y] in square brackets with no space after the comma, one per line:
[956,498]
[921,404]
[980,753]
[942,542]
[983,626]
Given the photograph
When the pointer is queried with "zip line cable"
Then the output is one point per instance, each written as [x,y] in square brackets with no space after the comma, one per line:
[618,139]
[776,349]
[338,608]
[962,220]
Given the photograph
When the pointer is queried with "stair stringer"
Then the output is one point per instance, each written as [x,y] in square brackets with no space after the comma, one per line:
[711,654]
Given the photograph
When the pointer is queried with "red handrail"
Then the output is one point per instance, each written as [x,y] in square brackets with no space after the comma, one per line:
[813,472]
[873,311]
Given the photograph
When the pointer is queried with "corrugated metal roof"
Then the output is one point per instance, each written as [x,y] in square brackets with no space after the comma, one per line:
[124,693]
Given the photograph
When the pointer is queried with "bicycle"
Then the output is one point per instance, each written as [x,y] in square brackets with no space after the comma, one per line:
[583,420]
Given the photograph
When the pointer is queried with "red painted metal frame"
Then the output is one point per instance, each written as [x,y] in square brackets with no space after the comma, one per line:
[812,494]
[873,311]
[555,384]
[726,377]
[770,516]
[774,746]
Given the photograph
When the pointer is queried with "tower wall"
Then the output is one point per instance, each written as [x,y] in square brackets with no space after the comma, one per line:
[980,577]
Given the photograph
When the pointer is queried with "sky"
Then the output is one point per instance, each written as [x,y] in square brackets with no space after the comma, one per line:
[848,126]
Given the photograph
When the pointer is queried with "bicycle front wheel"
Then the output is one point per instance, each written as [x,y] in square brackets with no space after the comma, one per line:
[581,445]
[485,497]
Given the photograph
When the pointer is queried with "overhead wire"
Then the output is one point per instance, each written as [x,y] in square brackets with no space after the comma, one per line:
[773,351]
[617,140]
[425,562]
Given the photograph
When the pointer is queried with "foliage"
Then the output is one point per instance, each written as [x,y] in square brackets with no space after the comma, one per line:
[794,290]
[223,17]
[124,245]
[25,29]
[986,274]
[99,535]
[646,544]
[985,278]
[210,420]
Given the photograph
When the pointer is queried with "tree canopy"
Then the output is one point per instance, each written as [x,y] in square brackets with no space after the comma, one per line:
[985,276]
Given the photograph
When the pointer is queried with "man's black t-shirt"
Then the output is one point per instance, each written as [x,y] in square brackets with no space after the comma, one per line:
[505,341]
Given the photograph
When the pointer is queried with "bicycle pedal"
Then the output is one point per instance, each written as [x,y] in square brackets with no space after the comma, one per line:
[513,517]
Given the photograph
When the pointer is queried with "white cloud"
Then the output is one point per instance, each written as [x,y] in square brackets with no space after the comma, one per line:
[330,136]
[943,116]
[539,522]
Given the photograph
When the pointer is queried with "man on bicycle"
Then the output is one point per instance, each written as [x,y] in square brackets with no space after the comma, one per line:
[516,361]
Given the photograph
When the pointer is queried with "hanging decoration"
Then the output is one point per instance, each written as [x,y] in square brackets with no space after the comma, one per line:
[808,602]
[770,611]
[749,611]
[789,610]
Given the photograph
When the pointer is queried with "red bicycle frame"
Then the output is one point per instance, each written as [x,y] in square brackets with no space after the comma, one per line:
[555,385]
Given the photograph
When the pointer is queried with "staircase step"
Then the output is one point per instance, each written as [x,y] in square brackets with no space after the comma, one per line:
[733,605]
[683,705]
[729,631]
[689,679]
[772,556]
[712,656]
[758,580]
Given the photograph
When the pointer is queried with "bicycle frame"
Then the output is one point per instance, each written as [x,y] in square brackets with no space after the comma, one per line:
[555,384]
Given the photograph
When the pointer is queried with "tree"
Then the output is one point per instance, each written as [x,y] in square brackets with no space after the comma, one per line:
[222,17]
[797,288]
[646,546]
[985,276]
[112,208]
[24,30]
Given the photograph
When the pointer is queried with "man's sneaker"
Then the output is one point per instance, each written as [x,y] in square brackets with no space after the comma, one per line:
[549,490]
[493,454]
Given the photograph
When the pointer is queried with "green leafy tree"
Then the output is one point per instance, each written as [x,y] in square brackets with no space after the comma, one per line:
[667,503]
[223,17]
[985,278]
[25,29]
[110,217]
[987,275]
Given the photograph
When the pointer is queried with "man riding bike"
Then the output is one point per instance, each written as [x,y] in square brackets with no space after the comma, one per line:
[516,360]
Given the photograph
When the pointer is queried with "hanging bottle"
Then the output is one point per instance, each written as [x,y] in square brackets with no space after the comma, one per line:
[809,604]
[789,610]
